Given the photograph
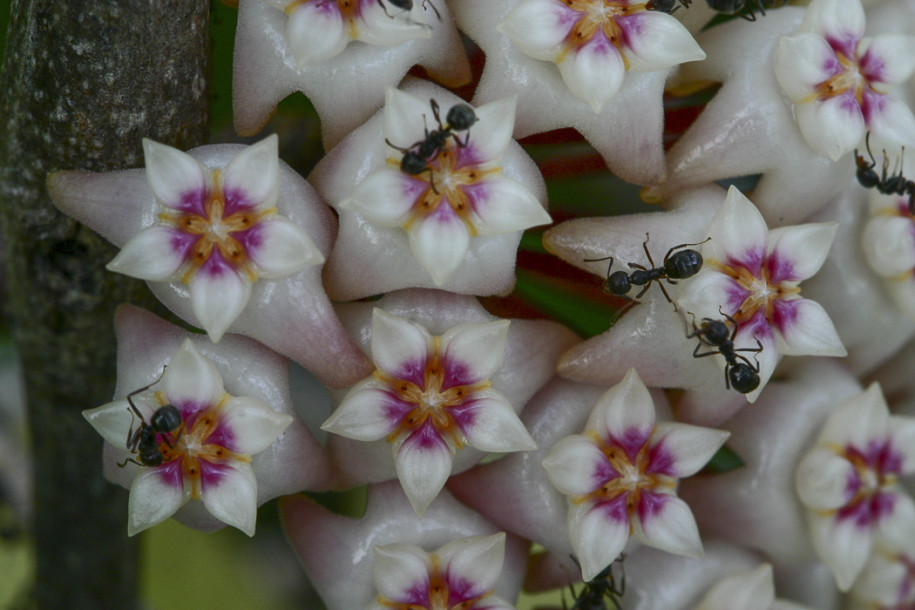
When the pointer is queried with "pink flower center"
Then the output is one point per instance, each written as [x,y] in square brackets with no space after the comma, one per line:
[600,19]
[442,594]
[214,230]
[758,292]
[431,404]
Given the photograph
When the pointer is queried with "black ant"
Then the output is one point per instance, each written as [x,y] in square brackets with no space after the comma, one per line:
[895,184]
[417,156]
[595,593]
[745,9]
[143,442]
[676,266]
[667,6]
[743,376]
[406,5]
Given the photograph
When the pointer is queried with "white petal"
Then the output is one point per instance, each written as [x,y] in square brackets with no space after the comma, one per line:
[155,254]
[797,252]
[625,411]
[538,27]
[472,352]
[739,233]
[218,296]
[400,347]
[821,479]
[385,197]
[490,423]
[490,136]
[423,464]
[897,527]
[252,177]
[191,379]
[576,466]
[114,420]
[279,248]
[805,329]
[707,292]
[368,412]
[177,179]
[889,245]
[891,122]
[254,425]
[377,28]
[657,41]
[400,569]
[802,62]
[316,32]
[881,580]
[404,120]
[154,497]
[229,492]
[841,545]
[504,205]
[688,447]
[668,525]
[840,20]
[593,73]
[597,537]
[439,242]
[749,590]
[832,127]
[888,58]
[475,562]
[902,440]
[857,421]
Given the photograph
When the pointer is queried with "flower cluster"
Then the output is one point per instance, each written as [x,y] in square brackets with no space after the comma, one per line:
[706,443]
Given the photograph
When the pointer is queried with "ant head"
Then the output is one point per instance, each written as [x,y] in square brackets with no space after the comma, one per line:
[617,283]
[743,378]
[412,164]
[461,117]
[166,419]
[715,331]
[683,264]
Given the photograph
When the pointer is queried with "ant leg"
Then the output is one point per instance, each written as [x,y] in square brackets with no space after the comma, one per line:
[431,179]
[619,312]
[645,247]
[667,296]
[436,113]
[437,14]
[385,9]
[458,140]
[124,463]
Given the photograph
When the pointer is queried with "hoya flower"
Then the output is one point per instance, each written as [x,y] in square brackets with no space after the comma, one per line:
[849,483]
[230,239]
[283,46]
[217,231]
[754,276]
[621,476]
[429,397]
[888,578]
[317,30]
[595,42]
[888,241]
[460,574]
[748,590]
[839,80]
[330,545]
[204,454]
[455,225]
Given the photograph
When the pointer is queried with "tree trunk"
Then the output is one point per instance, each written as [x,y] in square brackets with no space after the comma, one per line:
[83,81]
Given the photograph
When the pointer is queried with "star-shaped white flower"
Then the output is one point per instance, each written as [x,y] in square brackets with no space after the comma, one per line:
[218,231]
[308,51]
[205,455]
[849,483]
[839,80]
[888,241]
[748,128]
[463,194]
[754,275]
[455,225]
[460,574]
[747,590]
[317,30]
[595,42]
[428,397]
[230,239]
[621,476]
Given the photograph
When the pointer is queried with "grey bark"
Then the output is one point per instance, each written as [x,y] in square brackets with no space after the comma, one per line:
[82,82]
